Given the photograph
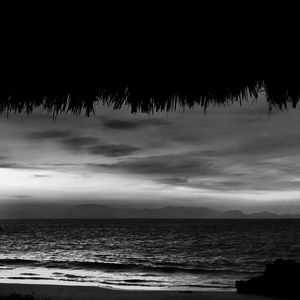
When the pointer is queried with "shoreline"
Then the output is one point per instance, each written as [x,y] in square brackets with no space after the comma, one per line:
[64,292]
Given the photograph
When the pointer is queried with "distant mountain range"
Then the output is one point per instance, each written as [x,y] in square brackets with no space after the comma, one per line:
[169,212]
[94,211]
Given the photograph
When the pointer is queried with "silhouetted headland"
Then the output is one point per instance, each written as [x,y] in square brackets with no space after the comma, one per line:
[280,278]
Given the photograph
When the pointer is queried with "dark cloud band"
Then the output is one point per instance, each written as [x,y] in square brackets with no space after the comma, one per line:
[132,124]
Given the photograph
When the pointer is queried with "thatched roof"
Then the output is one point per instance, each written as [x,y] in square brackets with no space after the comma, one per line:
[157,62]
[150,95]
[157,79]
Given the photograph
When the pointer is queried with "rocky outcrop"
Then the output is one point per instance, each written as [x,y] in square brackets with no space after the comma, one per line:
[280,278]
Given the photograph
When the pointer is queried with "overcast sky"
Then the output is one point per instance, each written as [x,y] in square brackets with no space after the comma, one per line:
[232,157]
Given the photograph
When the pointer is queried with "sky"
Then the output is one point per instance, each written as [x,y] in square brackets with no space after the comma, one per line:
[232,157]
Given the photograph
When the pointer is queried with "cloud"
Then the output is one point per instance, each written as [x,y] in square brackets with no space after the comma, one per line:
[61,165]
[166,166]
[49,134]
[204,172]
[133,124]
[78,143]
[112,150]
[20,166]
[86,144]
[174,180]
[92,146]
[247,148]
[253,110]
[270,146]
[187,170]
[22,196]
[9,165]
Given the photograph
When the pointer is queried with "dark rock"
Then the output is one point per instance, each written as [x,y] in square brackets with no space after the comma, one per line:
[280,278]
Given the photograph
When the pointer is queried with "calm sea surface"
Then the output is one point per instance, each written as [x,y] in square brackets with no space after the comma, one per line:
[143,254]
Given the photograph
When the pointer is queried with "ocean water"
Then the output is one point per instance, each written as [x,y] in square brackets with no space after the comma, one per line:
[143,254]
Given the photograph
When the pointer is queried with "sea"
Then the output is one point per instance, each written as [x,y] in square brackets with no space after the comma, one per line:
[143,254]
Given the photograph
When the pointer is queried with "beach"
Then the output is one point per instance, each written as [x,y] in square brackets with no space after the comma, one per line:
[60,292]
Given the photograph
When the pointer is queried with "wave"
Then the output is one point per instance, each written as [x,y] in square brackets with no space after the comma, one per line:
[31,278]
[105,266]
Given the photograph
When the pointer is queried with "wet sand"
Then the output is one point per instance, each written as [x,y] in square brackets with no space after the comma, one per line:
[59,292]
